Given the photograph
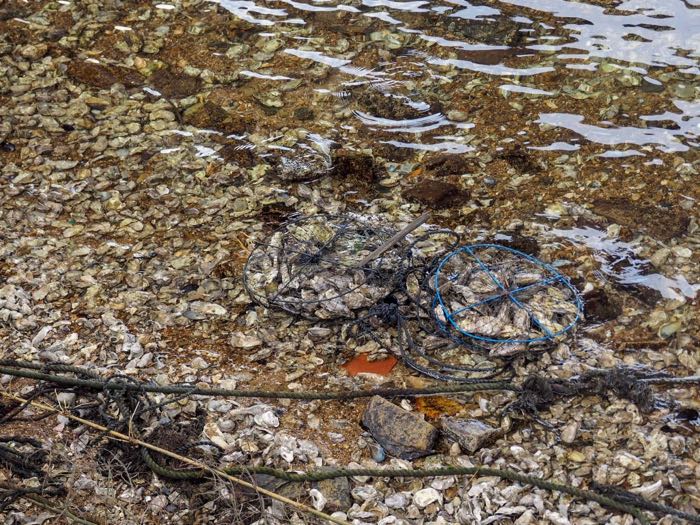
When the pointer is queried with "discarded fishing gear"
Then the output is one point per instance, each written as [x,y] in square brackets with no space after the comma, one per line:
[502,298]
[314,266]
[459,312]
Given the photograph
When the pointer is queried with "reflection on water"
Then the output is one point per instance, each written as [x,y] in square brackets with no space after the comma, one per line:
[619,261]
[566,51]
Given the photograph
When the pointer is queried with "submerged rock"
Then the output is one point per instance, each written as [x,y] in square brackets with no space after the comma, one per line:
[207,115]
[600,307]
[662,224]
[503,32]
[103,76]
[174,84]
[401,433]
[437,194]
[355,164]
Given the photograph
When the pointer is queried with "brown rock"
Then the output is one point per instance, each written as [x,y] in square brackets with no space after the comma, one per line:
[337,493]
[174,84]
[348,163]
[401,433]
[437,194]
[238,154]
[662,224]
[518,242]
[520,159]
[600,307]
[448,164]
[207,115]
[103,76]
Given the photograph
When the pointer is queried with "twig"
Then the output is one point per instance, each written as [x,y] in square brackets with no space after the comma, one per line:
[123,437]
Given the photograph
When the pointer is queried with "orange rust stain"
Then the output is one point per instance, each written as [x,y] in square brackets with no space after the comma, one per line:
[416,172]
[359,365]
[435,407]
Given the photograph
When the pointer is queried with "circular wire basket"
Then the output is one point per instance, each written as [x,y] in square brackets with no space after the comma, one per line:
[496,295]
[314,266]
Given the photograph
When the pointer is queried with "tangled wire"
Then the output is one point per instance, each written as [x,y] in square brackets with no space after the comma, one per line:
[459,314]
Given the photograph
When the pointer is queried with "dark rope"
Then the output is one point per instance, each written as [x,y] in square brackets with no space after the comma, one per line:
[320,475]
[28,371]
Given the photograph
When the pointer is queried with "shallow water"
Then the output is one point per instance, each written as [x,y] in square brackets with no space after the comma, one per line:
[536,103]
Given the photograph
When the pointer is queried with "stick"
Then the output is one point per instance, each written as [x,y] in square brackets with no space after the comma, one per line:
[396,238]
[184,459]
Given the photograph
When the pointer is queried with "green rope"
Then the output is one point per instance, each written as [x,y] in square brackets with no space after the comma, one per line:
[320,475]
[118,385]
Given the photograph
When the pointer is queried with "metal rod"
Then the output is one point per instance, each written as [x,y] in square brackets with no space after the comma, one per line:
[396,238]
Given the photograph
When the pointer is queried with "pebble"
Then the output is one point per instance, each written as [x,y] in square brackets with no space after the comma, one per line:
[245,341]
[682,251]
[568,433]
[425,497]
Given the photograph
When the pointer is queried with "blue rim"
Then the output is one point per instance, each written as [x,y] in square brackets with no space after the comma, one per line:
[555,277]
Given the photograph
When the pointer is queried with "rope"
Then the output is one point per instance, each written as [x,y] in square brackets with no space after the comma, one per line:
[615,499]
[510,475]
[28,370]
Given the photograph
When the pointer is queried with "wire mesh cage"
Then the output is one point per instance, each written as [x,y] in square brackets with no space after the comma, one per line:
[496,295]
[452,313]
[316,267]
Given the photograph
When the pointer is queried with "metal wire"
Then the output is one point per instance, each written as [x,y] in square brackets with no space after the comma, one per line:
[504,291]
[311,267]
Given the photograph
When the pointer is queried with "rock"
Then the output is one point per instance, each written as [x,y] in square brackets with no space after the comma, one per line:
[337,494]
[457,116]
[241,156]
[174,84]
[471,434]
[650,85]
[425,497]
[207,115]
[518,242]
[576,456]
[387,106]
[241,340]
[501,32]
[662,224]
[519,158]
[103,76]
[600,307]
[448,164]
[201,310]
[682,252]
[303,114]
[354,164]
[436,194]
[568,433]
[33,51]
[660,256]
[401,433]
